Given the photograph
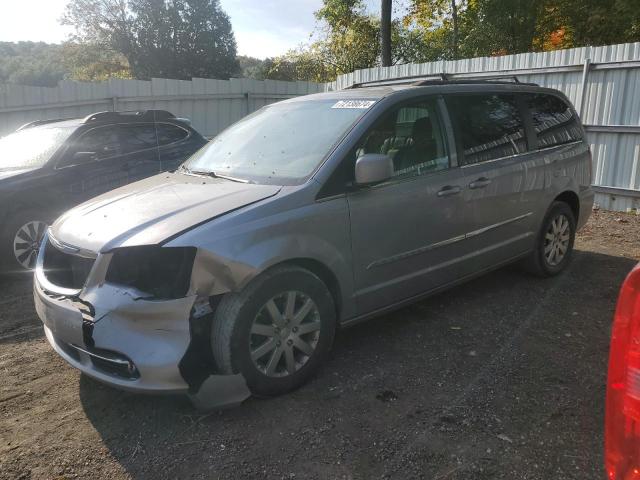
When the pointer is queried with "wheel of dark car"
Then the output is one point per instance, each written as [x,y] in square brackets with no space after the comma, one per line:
[554,245]
[276,332]
[26,243]
[20,241]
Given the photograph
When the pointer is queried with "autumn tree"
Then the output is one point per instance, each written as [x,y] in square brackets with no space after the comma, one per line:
[160,38]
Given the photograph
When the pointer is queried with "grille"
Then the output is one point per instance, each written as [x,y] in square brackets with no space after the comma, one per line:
[64,269]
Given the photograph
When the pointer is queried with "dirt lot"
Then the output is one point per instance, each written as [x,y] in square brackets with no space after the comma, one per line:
[500,378]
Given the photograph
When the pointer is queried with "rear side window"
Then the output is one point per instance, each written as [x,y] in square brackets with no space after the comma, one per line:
[137,137]
[170,134]
[553,121]
[488,126]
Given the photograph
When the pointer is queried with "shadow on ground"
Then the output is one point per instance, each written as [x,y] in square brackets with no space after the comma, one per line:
[502,377]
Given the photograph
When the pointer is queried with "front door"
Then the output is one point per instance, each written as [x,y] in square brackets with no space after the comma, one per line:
[408,233]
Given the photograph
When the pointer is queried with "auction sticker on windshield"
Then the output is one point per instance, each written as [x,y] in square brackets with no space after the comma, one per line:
[353,104]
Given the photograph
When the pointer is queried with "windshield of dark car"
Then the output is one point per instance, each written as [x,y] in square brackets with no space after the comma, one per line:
[32,147]
[282,143]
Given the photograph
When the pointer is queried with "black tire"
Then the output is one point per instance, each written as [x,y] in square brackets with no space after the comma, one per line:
[538,262]
[8,261]
[231,339]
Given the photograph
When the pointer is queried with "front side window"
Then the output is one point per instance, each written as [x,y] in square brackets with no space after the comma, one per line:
[489,126]
[412,136]
[553,121]
[282,143]
[32,147]
[102,142]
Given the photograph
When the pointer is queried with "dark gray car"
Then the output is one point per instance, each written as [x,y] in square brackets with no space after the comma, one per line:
[232,274]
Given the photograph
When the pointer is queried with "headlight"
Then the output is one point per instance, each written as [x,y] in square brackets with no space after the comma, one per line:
[162,272]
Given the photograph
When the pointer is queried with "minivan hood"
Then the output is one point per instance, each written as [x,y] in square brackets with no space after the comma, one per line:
[151,210]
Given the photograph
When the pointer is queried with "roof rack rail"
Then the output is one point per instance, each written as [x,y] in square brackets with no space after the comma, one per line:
[395,81]
[125,116]
[37,123]
[441,78]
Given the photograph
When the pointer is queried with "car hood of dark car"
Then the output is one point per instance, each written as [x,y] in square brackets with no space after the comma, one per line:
[152,210]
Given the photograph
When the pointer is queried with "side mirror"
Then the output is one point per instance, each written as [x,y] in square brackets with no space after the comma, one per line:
[373,168]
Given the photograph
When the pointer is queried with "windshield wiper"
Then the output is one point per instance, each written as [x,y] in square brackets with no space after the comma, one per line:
[211,173]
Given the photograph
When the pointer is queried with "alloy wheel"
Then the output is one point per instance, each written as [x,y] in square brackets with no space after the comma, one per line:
[26,243]
[557,239]
[284,334]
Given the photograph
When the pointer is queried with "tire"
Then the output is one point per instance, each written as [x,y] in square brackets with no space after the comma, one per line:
[542,261]
[246,322]
[21,241]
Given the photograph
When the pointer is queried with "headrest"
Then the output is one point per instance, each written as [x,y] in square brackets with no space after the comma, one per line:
[422,126]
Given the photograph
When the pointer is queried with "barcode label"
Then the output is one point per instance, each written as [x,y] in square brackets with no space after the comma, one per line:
[353,104]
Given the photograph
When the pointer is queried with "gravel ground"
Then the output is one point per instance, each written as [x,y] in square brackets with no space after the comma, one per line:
[502,377]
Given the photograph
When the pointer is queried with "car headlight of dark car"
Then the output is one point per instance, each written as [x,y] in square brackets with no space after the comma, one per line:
[162,272]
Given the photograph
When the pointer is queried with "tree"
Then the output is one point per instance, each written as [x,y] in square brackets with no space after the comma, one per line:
[160,38]
[597,22]
[92,63]
[385,32]
[31,63]
[454,20]
[349,37]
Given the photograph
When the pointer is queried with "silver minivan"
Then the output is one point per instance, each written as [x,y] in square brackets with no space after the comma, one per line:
[231,275]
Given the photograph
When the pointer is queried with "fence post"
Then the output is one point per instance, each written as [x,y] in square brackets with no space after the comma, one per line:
[114,104]
[585,76]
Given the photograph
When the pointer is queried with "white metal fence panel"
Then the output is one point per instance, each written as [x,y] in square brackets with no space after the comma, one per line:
[211,105]
[602,82]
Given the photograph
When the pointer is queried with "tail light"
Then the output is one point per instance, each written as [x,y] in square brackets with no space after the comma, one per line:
[622,419]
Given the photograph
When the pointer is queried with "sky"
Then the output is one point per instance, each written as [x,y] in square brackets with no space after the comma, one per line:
[263,28]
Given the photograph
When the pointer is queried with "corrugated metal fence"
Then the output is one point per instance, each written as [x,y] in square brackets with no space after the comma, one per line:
[211,105]
[602,82]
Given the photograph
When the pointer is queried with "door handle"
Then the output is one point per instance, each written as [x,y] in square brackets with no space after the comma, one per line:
[480,183]
[449,190]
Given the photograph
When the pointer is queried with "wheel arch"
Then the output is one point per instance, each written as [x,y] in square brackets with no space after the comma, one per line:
[323,272]
[570,198]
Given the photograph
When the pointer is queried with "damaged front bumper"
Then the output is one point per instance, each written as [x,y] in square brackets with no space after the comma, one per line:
[136,346]
[119,337]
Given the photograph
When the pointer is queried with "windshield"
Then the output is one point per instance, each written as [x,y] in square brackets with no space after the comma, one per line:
[31,148]
[282,143]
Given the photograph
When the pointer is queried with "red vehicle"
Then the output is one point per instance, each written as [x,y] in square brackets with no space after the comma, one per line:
[622,420]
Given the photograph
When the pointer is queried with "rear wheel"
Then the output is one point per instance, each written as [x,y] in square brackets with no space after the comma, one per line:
[276,332]
[554,245]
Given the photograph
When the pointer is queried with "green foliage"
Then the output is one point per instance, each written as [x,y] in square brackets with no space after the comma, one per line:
[194,38]
[251,67]
[93,63]
[44,65]
[31,63]
[160,38]
[424,31]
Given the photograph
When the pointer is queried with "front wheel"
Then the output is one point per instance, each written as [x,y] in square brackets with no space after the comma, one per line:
[21,240]
[276,332]
[554,245]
